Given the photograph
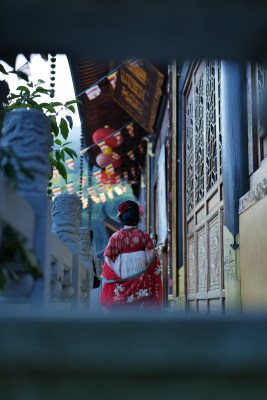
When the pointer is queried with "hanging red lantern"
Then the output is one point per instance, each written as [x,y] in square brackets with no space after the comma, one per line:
[117,163]
[106,134]
[112,179]
[104,177]
[107,178]
[103,159]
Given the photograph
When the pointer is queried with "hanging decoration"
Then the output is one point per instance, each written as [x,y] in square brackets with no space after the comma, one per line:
[97,175]
[118,179]
[130,129]
[108,135]
[125,175]
[56,191]
[118,190]
[107,150]
[103,197]
[103,146]
[52,75]
[131,155]
[91,191]
[119,138]
[93,92]
[55,173]
[84,202]
[96,199]
[108,178]
[103,160]
[70,163]
[124,188]
[83,180]
[113,79]
[101,138]
[141,148]
[133,172]
[110,169]
[110,194]
[101,187]
[116,156]
[117,163]
[70,188]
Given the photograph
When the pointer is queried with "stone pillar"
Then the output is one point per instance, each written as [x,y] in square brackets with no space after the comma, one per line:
[27,132]
[85,244]
[66,227]
[235,171]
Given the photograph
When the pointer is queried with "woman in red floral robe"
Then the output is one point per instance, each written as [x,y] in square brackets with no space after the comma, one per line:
[131,272]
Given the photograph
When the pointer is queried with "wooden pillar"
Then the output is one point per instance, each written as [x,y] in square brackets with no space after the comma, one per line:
[235,171]
[175,282]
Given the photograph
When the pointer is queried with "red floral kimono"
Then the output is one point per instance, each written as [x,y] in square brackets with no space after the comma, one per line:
[131,272]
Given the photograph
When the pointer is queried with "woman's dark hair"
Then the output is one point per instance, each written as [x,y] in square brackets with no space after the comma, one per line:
[131,215]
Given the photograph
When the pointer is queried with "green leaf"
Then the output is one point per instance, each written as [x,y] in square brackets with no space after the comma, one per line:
[73,102]
[34,104]
[64,129]
[56,104]
[62,170]
[53,125]
[70,121]
[57,154]
[74,153]
[21,75]
[41,90]
[62,155]
[24,89]
[57,141]
[13,96]
[48,107]
[2,69]
[40,82]
[72,109]
[70,152]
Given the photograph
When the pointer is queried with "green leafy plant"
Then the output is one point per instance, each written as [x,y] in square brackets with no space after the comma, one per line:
[27,96]
[16,258]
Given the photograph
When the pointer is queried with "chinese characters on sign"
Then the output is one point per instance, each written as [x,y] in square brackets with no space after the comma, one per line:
[138,91]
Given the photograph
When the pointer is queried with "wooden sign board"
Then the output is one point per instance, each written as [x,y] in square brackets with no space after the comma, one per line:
[138,91]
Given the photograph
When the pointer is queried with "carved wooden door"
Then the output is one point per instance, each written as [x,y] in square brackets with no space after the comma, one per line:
[203,189]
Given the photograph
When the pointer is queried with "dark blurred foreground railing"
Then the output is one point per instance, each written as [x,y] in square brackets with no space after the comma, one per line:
[133,357]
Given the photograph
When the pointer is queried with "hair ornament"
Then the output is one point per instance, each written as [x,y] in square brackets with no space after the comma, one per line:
[123,207]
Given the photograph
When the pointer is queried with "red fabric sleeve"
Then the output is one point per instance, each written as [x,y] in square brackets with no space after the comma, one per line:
[149,243]
[112,249]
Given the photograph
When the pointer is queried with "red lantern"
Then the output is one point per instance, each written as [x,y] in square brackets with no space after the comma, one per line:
[117,163]
[103,159]
[107,178]
[105,134]
[104,177]
[112,180]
